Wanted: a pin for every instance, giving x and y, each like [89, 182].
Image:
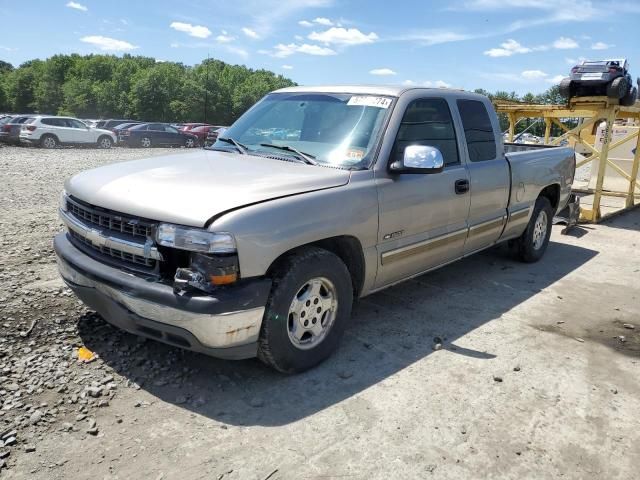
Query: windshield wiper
[240, 147]
[305, 157]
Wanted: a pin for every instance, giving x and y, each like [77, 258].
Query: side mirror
[419, 159]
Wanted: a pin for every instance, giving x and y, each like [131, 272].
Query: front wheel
[145, 142]
[105, 142]
[307, 312]
[534, 241]
[189, 143]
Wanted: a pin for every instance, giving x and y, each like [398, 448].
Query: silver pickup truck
[316, 196]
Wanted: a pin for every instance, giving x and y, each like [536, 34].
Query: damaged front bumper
[224, 324]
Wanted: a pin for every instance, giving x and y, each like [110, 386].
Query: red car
[201, 132]
[187, 127]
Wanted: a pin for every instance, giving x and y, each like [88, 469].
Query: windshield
[339, 130]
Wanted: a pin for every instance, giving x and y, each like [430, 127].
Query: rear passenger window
[428, 122]
[481, 141]
[54, 122]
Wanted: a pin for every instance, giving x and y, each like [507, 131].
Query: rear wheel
[189, 143]
[533, 242]
[48, 141]
[307, 312]
[105, 142]
[630, 98]
[145, 142]
[565, 88]
[618, 88]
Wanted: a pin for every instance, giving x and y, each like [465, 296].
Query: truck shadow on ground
[389, 331]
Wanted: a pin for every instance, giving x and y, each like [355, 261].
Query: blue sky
[521, 45]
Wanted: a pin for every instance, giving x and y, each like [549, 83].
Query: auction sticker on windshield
[369, 101]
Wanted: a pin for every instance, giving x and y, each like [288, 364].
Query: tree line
[106, 86]
[137, 87]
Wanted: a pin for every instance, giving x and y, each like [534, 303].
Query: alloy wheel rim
[312, 313]
[146, 142]
[49, 142]
[105, 143]
[540, 230]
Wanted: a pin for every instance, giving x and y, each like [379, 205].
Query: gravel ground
[536, 374]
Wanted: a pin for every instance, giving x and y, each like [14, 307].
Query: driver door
[423, 217]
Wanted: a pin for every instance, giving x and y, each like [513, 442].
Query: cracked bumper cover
[223, 325]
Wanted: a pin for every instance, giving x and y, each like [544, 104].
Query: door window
[478, 131]
[428, 122]
[73, 123]
[170, 129]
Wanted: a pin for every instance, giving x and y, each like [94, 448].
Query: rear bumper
[225, 325]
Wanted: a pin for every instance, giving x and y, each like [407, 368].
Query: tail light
[613, 70]
[574, 69]
[31, 128]
[6, 128]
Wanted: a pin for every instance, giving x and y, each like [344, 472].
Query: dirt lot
[538, 376]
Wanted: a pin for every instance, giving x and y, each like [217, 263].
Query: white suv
[50, 131]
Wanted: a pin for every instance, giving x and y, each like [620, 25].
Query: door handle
[462, 186]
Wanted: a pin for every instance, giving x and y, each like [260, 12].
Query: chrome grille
[110, 220]
[114, 253]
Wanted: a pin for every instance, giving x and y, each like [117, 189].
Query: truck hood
[189, 189]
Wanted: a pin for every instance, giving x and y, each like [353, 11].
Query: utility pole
[206, 90]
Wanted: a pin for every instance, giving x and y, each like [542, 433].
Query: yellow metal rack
[592, 110]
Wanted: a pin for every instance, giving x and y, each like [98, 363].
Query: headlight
[63, 200]
[195, 239]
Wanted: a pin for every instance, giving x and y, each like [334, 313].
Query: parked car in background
[157, 134]
[188, 126]
[110, 123]
[49, 132]
[10, 128]
[212, 135]
[123, 126]
[202, 131]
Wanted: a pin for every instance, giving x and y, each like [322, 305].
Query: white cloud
[508, 48]
[408, 83]
[250, 33]
[287, 67]
[434, 37]
[108, 44]
[382, 72]
[281, 50]
[198, 31]
[305, 23]
[343, 36]
[299, 38]
[564, 43]
[323, 21]
[533, 74]
[77, 6]
[601, 46]
[224, 37]
[241, 52]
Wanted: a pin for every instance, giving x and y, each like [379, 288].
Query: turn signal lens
[223, 279]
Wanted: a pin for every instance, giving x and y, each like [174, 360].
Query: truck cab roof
[387, 90]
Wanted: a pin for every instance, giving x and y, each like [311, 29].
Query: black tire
[104, 142]
[618, 88]
[528, 249]
[48, 141]
[630, 98]
[145, 142]
[275, 347]
[565, 88]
